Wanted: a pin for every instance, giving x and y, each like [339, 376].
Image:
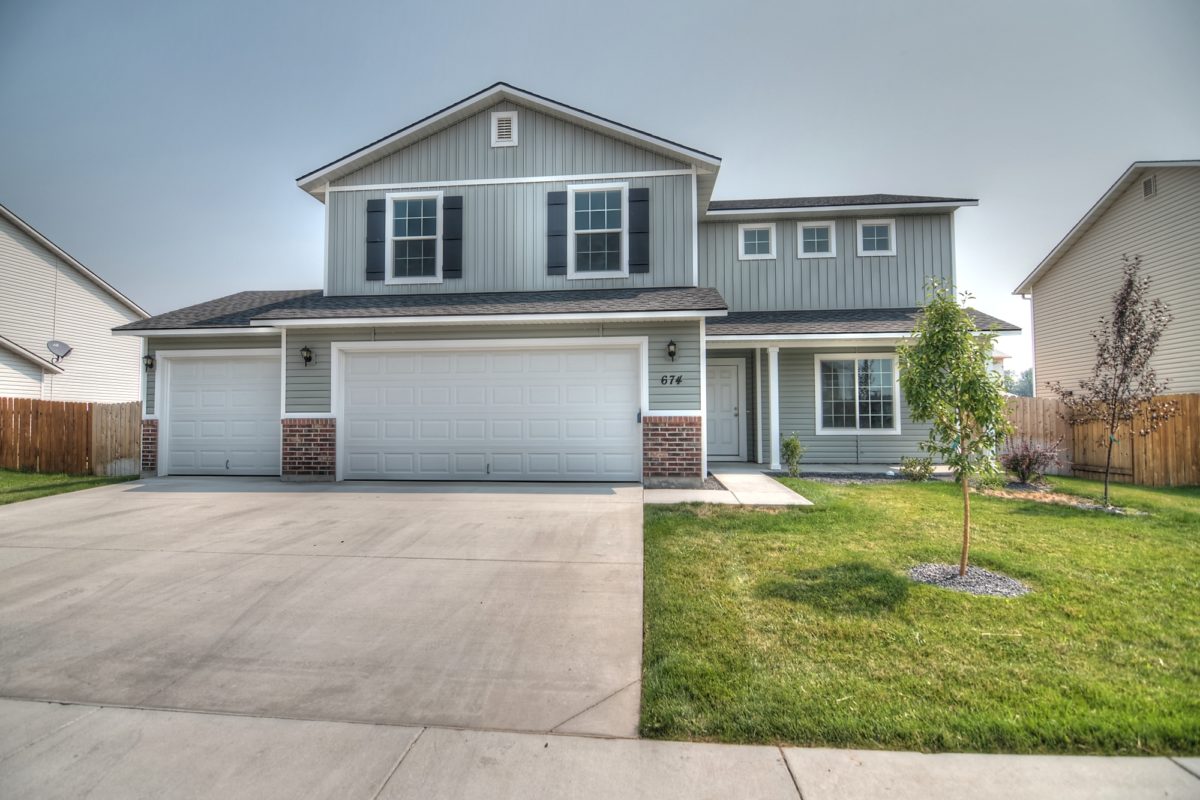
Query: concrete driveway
[509, 607]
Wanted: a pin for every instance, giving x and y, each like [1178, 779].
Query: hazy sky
[159, 142]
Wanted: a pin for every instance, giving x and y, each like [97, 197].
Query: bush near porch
[800, 627]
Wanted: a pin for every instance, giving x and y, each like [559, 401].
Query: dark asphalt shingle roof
[238, 310]
[831, 200]
[857, 320]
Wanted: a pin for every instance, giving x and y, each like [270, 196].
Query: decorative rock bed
[976, 581]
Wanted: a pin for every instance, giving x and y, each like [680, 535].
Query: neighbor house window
[599, 230]
[756, 242]
[414, 238]
[856, 395]
[817, 240]
[876, 237]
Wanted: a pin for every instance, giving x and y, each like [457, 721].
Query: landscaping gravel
[976, 581]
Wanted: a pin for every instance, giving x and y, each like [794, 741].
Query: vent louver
[504, 129]
[1150, 186]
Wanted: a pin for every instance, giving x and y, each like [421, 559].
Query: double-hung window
[816, 239]
[756, 241]
[857, 395]
[598, 242]
[414, 238]
[877, 237]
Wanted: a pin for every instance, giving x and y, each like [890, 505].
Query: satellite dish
[60, 349]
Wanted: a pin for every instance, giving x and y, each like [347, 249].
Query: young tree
[1122, 387]
[945, 378]
[1022, 385]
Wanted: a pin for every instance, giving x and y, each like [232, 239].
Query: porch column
[773, 378]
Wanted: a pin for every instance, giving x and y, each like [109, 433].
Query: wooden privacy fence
[1168, 457]
[76, 438]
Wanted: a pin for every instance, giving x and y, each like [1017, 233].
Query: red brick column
[672, 452]
[309, 450]
[150, 446]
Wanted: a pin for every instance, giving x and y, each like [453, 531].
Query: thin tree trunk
[1112, 433]
[966, 489]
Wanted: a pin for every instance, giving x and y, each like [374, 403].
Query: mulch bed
[977, 580]
[1042, 493]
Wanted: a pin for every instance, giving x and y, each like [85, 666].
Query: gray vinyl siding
[1070, 298]
[504, 241]
[308, 388]
[546, 146]
[924, 249]
[234, 342]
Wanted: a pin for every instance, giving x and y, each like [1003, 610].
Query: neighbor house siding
[504, 240]
[308, 388]
[1070, 298]
[18, 376]
[924, 250]
[154, 344]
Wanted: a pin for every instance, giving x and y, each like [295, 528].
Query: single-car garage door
[222, 416]
[539, 414]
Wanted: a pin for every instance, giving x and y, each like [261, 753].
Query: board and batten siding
[504, 241]
[231, 342]
[924, 250]
[1070, 298]
[308, 388]
[546, 145]
[43, 297]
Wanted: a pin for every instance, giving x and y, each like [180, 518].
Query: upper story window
[598, 241]
[817, 240]
[414, 238]
[504, 129]
[877, 237]
[856, 395]
[756, 241]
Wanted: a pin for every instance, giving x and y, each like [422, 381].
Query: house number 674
[671, 380]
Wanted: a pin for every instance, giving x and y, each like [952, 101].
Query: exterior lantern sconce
[306, 354]
[672, 349]
[148, 362]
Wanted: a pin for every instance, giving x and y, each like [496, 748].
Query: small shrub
[1029, 460]
[792, 451]
[916, 469]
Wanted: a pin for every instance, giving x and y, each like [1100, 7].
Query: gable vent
[504, 129]
[1150, 186]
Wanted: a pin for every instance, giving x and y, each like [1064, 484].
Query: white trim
[249, 352]
[827, 223]
[197, 331]
[695, 230]
[764, 212]
[282, 382]
[741, 242]
[338, 351]
[328, 279]
[891, 251]
[592, 176]
[740, 364]
[692, 413]
[389, 262]
[623, 272]
[490, 319]
[773, 372]
[703, 406]
[308, 415]
[511, 116]
[758, 415]
[732, 340]
[819, 428]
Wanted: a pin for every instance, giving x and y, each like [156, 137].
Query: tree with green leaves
[946, 380]
[1019, 383]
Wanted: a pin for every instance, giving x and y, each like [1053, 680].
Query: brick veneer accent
[150, 445]
[672, 452]
[309, 450]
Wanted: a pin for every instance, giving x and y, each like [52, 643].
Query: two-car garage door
[505, 414]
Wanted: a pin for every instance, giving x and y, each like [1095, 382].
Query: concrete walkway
[745, 484]
[52, 751]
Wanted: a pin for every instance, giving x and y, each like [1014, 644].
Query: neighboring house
[1153, 210]
[46, 295]
[516, 289]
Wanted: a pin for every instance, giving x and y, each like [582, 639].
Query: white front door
[726, 403]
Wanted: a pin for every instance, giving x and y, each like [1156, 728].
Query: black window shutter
[639, 230]
[452, 208]
[556, 233]
[376, 227]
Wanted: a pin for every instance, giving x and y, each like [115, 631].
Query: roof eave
[729, 213]
[30, 356]
[488, 319]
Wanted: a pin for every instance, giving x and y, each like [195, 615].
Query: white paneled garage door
[538, 414]
[222, 416]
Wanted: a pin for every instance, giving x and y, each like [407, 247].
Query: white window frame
[496, 117]
[755, 226]
[802, 224]
[389, 261]
[586, 275]
[891, 223]
[821, 430]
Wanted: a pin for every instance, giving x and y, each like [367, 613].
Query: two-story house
[516, 289]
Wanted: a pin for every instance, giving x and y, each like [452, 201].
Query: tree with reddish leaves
[1123, 389]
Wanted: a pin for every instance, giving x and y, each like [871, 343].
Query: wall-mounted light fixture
[306, 354]
[148, 362]
[672, 349]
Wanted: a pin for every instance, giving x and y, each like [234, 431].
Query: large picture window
[598, 237]
[857, 395]
[414, 238]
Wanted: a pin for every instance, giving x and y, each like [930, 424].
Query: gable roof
[29, 355]
[1127, 179]
[836, 203]
[313, 182]
[57, 251]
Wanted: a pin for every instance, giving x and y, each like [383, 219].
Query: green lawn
[799, 626]
[17, 486]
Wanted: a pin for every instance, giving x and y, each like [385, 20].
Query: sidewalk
[745, 484]
[48, 750]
